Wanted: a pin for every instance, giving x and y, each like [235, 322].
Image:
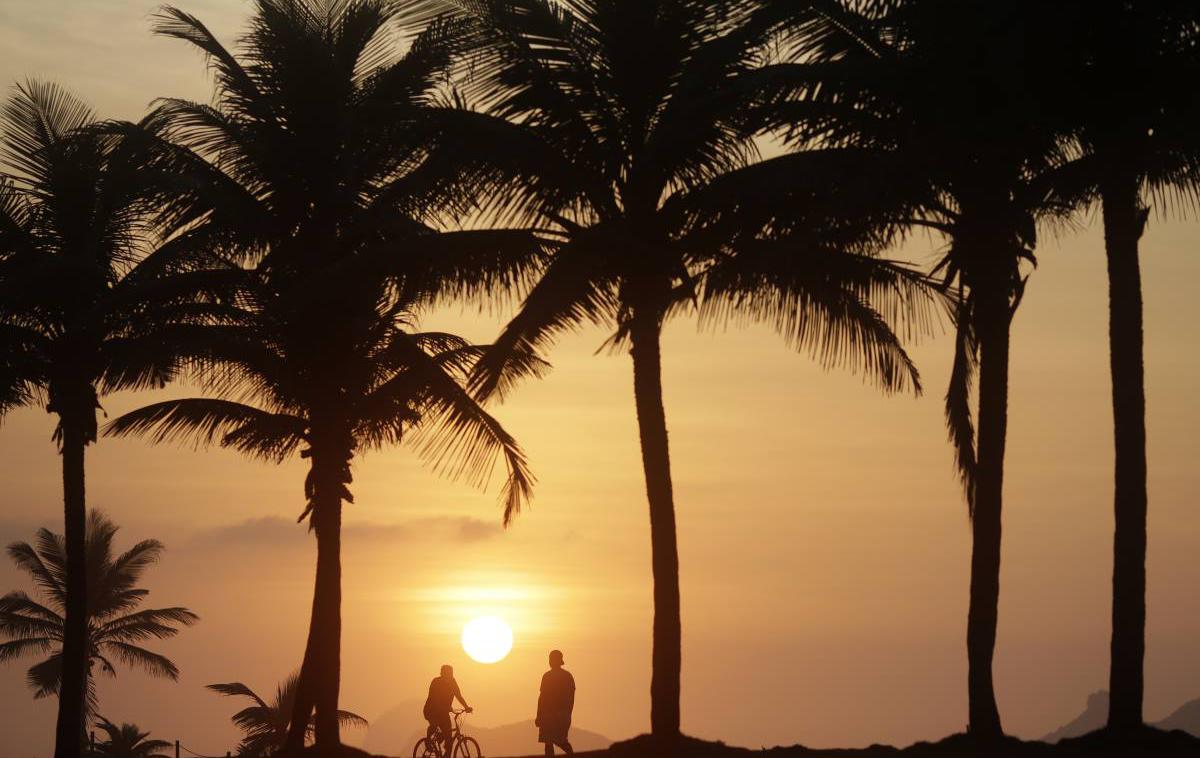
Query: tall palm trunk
[1124, 218]
[70, 727]
[320, 674]
[993, 321]
[645, 335]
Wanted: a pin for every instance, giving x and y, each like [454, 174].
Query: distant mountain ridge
[1186, 718]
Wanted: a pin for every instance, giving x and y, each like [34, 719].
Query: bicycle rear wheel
[467, 747]
[426, 748]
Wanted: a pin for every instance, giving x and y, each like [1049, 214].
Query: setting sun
[487, 639]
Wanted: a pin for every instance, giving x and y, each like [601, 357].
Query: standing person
[555, 703]
[442, 692]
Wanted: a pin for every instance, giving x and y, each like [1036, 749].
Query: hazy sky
[824, 542]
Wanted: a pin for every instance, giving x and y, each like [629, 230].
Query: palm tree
[114, 626]
[309, 185]
[71, 293]
[1136, 130]
[266, 725]
[128, 741]
[613, 124]
[937, 96]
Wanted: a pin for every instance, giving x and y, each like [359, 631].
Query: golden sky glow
[824, 542]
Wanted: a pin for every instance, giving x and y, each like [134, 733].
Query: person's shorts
[441, 721]
[554, 731]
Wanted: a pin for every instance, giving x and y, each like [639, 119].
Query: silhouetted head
[448, 672]
[556, 658]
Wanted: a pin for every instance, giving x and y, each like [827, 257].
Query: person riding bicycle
[442, 692]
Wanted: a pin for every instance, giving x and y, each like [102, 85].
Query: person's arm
[537, 720]
[458, 695]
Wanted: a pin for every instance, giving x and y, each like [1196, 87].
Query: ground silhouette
[1099, 744]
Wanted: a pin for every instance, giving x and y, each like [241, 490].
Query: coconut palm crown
[128, 741]
[265, 725]
[116, 627]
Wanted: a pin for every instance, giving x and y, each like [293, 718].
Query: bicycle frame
[437, 741]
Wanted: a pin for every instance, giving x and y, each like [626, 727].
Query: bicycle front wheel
[426, 748]
[467, 747]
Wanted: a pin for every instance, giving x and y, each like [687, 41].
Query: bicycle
[432, 745]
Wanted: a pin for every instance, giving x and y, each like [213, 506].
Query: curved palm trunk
[1123, 221]
[656, 462]
[320, 674]
[993, 332]
[70, 727]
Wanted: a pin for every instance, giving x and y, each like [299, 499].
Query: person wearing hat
[555, 703]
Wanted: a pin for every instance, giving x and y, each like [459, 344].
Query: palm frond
[45, 677]
[346, 718]
[234, 80]
[574, 289]
[160, 623]
[45, 565]
[837, 306]
[21, 616]
[959, 420]
[36, 123]
[250, 430]
[17, 648]
[457, 436]
[236, 689]
[152, 663]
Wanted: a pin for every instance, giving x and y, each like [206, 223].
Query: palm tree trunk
[993, 331]
[1123, 221]
[320, 673]
[652, 425]
[71, 697]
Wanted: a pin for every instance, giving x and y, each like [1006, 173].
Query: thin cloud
[275, 531]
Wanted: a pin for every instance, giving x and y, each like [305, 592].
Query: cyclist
[442, 692]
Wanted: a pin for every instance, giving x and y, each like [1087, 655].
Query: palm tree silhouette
[938, 94]
[128, 741]
[114, 626]
[1136, 130]
[265, 725]
[75, 304]
[617, 125]
[309, 185]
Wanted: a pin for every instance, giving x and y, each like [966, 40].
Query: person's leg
[549, 748]
[447, 735]
[566, 747]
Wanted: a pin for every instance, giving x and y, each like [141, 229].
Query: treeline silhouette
[602, 161]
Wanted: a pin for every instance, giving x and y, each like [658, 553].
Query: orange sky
[824, 543]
